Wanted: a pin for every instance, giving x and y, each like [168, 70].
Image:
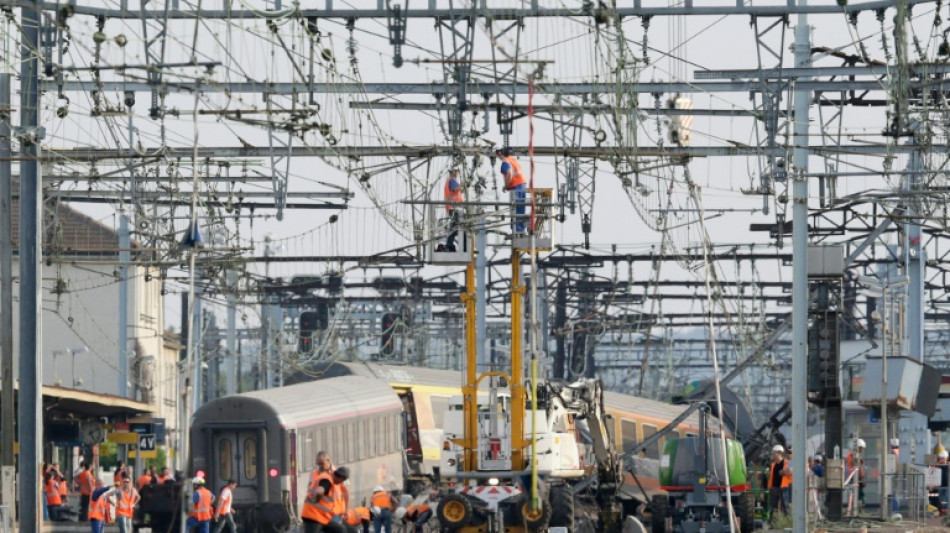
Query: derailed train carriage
[267, 441]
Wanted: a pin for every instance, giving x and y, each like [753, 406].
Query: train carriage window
[351, 442]
[674, 434]
[250, 458]
[394, 445]
[224, 459]
[653, 450]
[439, 404]
[628, 434]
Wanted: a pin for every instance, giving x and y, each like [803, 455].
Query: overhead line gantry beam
[634, 8]
[78, 155]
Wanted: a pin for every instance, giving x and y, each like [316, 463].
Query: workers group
[515, 183]
[327, 506]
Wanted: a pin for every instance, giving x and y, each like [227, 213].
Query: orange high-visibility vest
[125, 503]
[382, 500]
[202, 511]
[355, 517]
[224, 501]
[53, 494]
[453, 197]
[97, 509]
[339, 499]
[517, 177]
[143, 480]
[318, 508]
[86, 482]
[786, 480]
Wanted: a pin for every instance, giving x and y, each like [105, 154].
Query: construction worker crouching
[357, 518]
[382, 509]
[199, 519]
[779, 479]
[325, 505]
[514, 181]
[417, 514]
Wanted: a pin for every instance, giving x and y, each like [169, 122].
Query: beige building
[80, 322]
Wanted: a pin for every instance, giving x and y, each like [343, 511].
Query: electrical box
[911, 385]
[826, 261]
[834, 473]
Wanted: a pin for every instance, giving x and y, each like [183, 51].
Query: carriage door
[237, 457]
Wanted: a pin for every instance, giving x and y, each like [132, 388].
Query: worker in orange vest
[318, 506]
[98, 507]
[357, 518]
[453, 197]
[86, 483]
[202, 510]
[146, 478]
[126, 498]
[54, 495]
[382, 508]
[516, 182]
[418, 514]
[224, 514]
[164, 476]
[780, 477]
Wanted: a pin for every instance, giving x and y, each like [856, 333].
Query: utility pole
[7, 394]
[30, 413]
[230, 365]
[481, 295]
[125, 256]
[799, 405]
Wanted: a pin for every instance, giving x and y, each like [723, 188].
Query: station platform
[75, 527]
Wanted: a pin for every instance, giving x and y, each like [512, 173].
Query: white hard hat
[778, 448]
[895, 442]
[859, 443]
[943, 454]
[818, 458]
[198, 481]
[401, 512]
[378, 488]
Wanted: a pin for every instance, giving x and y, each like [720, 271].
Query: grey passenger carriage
[267, 441]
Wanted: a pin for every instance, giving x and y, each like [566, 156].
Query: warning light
[273, 472]
[200, 473]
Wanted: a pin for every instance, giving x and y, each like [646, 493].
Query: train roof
[300, 405]
[452, 378]
[654, 409]
[411, 375]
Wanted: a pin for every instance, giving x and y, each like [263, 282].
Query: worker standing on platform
[146, 478]
[98, 507]
[318, 506]
[54, 495]
[165, 476]
[224, 513]
[126, 498]
[854, 463]
[896, 453]
[514, 181]
[453, 196]
[86, 483]
[201, 507]
[779, 479]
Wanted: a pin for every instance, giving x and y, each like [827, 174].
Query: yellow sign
[123, 438]
[147, 454]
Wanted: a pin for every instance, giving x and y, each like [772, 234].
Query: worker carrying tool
[515, 182]
[453, 197]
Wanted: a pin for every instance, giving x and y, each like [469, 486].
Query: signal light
[273, 472]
